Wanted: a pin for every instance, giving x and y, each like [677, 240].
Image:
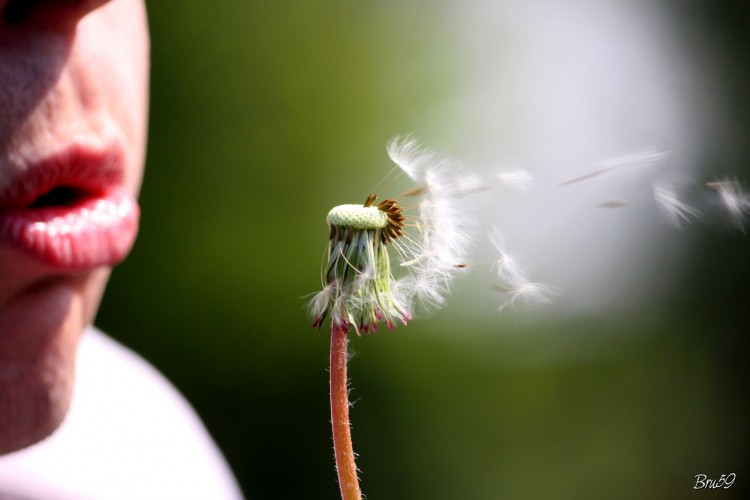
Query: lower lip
[94, 232]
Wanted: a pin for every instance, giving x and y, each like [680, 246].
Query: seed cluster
[387, 217]
[357, 217]
[394, 227]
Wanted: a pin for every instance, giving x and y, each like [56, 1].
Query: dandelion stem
[342, 437]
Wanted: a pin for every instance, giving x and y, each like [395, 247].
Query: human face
[73, 99]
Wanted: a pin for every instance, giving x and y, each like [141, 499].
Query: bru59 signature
[702, 482]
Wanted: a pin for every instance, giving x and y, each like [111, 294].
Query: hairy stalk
[342, 437]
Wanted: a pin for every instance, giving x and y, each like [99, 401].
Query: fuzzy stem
[342, 437]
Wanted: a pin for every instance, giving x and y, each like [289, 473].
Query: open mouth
[60, 196]
[71, 212]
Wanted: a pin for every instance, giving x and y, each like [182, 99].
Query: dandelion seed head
[357, 217]
[359, 288]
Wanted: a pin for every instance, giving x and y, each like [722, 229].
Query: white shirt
[128, 435]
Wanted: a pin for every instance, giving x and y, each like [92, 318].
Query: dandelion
[734, 199]
[360, 290]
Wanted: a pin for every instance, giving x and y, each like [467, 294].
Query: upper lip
[81, 170]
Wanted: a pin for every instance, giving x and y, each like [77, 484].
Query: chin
[41, 327]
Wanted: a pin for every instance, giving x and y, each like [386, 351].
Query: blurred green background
[266, 114]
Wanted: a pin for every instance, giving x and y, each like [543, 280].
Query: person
[80, 415]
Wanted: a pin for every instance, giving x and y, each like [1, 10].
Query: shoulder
[129, 434]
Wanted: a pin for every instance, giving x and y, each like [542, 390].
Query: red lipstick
[70, 210]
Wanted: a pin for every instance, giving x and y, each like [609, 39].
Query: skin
[68, 68]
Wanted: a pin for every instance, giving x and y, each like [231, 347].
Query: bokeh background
[266, 114]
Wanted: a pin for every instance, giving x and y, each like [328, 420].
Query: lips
[70, 210]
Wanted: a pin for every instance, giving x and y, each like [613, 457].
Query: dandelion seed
[584, 177]
[675, 210]
[641, 159]
[516, 179]
[512, 281]
[528, 292]
[412, 158]
[470, 183]
[734, 199]
[645, 159]
[613, 204]
[508, 271]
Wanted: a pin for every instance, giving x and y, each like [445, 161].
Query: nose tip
[47, 13]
